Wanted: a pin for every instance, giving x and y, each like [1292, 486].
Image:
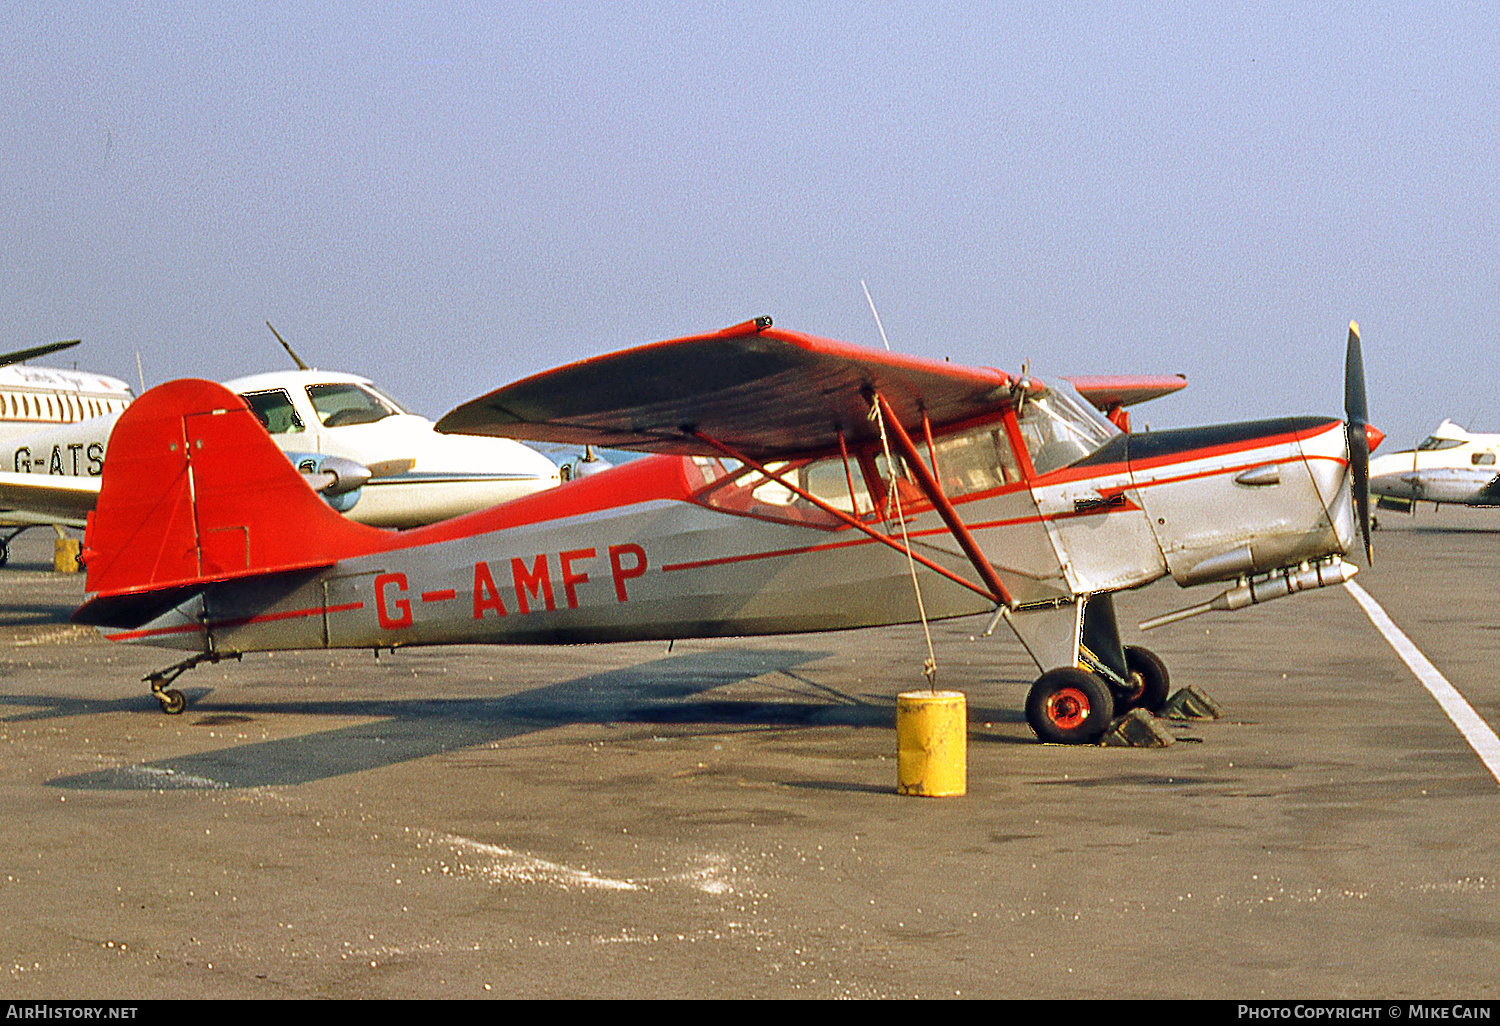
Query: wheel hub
[1068, 708]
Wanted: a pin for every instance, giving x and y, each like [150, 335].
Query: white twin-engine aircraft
[368, 457]
[1451, 465]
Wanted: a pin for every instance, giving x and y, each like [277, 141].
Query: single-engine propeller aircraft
[1451, 465]
[801, 484]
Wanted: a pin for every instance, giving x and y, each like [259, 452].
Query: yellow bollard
[65, 555]
[932, 738]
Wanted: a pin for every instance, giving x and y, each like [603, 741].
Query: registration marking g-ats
[1469, 723]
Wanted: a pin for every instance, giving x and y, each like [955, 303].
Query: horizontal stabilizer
[762, 390]
[1109, 391]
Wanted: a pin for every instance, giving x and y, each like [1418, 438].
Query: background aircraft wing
[46, 498]
[764, 391]
[1107, 392]
[21, 355]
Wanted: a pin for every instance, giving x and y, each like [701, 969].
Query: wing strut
[934, 492]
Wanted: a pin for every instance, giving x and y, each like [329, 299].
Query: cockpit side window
[976, 461]
[342, 404]
[275, 411]
[1483, 459]
[749, 492]
[1060, 429]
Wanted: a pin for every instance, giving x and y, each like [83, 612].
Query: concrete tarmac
[720, 820]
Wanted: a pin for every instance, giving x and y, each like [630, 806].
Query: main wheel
[1148, 674]
[1069, 706]
[172, 702]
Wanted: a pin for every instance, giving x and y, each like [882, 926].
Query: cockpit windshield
[1061, 427]
[1433, 443]
[343, 403]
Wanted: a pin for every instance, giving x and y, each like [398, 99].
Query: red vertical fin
[194, 490]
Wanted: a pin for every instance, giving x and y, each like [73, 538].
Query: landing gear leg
[1095, 677]
[1137, 679]
[1068, 705]
[173, 702]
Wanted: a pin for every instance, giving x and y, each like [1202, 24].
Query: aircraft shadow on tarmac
[35, 615]
[656, 692]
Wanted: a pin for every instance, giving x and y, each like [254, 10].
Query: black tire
[173, 702]
[1069, 706]
[1153, 683]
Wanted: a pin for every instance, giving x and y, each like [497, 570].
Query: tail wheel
[1152, 683]
[1069, 706]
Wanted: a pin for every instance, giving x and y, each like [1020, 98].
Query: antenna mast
[877, 316]
[295, 358]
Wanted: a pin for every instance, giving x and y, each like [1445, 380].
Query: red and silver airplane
[771, 506]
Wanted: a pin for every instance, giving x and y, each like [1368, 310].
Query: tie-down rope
[929, 668]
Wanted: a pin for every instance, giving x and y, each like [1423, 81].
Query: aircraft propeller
[1360, 435]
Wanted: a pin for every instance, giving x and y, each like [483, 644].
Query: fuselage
[1060, 503]
[55, 423]
[36, 399]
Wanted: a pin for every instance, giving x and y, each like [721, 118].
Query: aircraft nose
[1373, 436]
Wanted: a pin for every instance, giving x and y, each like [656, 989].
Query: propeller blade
[1356, 414]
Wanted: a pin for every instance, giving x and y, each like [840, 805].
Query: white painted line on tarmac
[1469, 723]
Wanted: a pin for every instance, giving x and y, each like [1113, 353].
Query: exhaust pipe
[1251, 591]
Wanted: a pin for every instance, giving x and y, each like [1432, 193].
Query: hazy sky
[446, 197]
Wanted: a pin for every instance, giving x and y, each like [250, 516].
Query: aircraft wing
[47, 498]
[1107, 392]
[764, 391]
